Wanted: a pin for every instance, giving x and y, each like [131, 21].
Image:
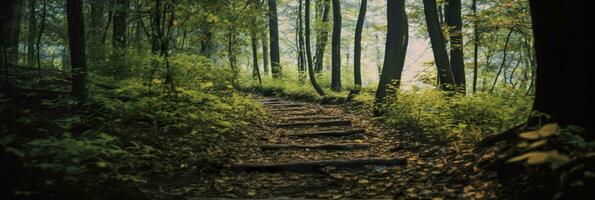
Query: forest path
[316, 151]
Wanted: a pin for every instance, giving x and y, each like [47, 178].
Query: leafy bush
[445, 115]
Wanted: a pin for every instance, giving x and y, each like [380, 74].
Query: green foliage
[446, 115]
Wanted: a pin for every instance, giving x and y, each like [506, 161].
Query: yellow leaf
[531, 135]
[538, 143]
[548, 130]
[363, 181]
[540, 157]
[359, 141]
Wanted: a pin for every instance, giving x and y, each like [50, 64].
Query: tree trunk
[39, 35]
[336, 47]
[119, 40]
[300, 40]
[322, 36]
[255, 70]
[445, 74]
[309, 53]
[7, 9]
[563, 44]
[475, 44]
[15, 32]
[265, 53]
[274, 39]
[457, 60]
[357, 49]
[32, 33]
[96, 45]
[503, 59]
[76, 37]
[397, 39]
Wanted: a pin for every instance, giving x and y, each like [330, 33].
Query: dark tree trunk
[336, 47]
[300, 40]
[120, 36]
[457, 60]
[475, 44]
[76, 37]
[255, 70]
[96, 47]
[564, 43]
[207, 47]
[397, 39]
[357, 49]
[322, 36]
[15, 32]
[445, 74]
[6, 15]
[40, 34]
[265, 53]
[32, 32]
[274, 38]
[503, 59]
[309, 53]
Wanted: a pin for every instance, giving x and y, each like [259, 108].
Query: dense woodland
[322, 99]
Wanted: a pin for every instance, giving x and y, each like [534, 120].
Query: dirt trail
[311, 151]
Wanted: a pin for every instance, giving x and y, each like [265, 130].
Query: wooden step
[288, 109]
[309, 113]
[333, 133]
[286, 105]
[318, 123]
[311, 166]
[336, 147]
[311, 118]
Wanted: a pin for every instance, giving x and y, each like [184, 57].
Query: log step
[288, 109]
[286, 105]
[311, 118]
[344, 146]
[319, 123]
[310, 166]
[303, 113]
[334, 133]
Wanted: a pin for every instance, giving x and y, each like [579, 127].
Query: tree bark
[357, 49]
[14, 32]
[336, 47]
[309, 53]
[300, 40]
[120, 36]
[274, 39]
[7, 9]
[503, 59]
[397, 39]
[322, 36]
[563, 44]
[76, 37]
[475, 44]
[96, 45]
[445, 75]
[457, 60]
[32, 32]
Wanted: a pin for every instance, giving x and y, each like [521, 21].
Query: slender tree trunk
[120, 36]
[265, 52]
[32, 32]
[457, 61]
[255, 70]
[96, 46]
[309, 53]
[274, 39]
[336, 47]
[322, 36]
[445, 74]
[15, 32]
[357, 48]
[397, 39]
[76, 37]
[503, 59]
[475, 44]
[300, 40]
[40, 34]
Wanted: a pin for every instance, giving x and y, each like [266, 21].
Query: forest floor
[417, 166]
